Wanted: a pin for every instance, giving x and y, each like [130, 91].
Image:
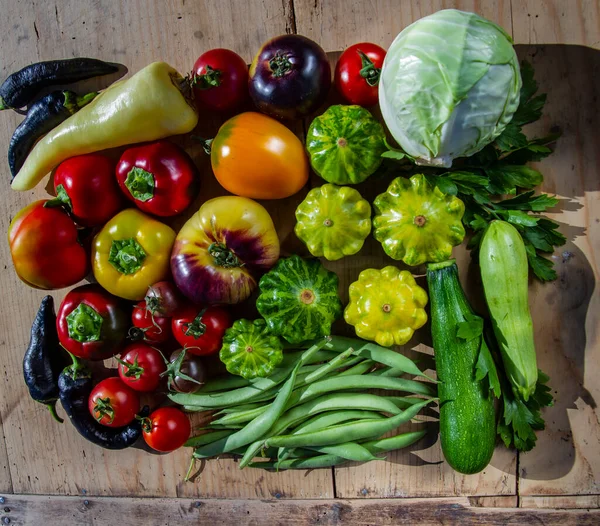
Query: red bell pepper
[86, 187]
[159, 177]
[44, 247]
[91, 323]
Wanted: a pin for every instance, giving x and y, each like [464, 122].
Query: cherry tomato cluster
[93, 324]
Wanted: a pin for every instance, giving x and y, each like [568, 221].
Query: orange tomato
[258, 157]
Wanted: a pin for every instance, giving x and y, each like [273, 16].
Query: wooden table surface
[50, 475]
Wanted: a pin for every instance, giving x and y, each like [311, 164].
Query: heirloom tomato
[357, 73]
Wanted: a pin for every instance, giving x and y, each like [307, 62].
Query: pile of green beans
[315, 410]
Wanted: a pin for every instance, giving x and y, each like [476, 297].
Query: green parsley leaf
[485, 367]
[518, 217]
[478, 222]
[396, 155]
[512, 138]
[529, 87]
[541, 267]
[529, 111]
[506, 178]
[529, 201]
[470, 329]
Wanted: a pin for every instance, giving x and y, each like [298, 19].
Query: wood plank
[337, 24]
[23, 510]
[556, 22]
[561, 501]
[52, 459]
[566, 312]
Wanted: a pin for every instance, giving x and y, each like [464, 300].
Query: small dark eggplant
[22, 87]
[43, 115]
[44, 358]
[75, 385]
[290, 77]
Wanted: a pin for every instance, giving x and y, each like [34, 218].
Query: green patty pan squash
[345, 144]
[333, 221]
[250, 349]
[299, 299]
[417, 223]
[386, 306]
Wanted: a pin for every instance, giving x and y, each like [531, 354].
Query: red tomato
[357, 73]
[159, 177]
[220, 80]
[156, 329]
[78, 183]
[141, 366]
[113, 404]
[166, 429]
[200, 331]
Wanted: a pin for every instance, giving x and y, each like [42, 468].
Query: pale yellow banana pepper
[146, 107]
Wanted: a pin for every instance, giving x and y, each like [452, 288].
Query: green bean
[346, 432]
[359, 368]
[242, 416]
[206, 438]
[262, 423]
[347, 450]
[332, 418]
[330, 366]
[237, 409]
[326, 403]
[403, 402]
[389, 371]
[383, 445]
[319, 461]
[366, 381]
[213, 425]
[375, 352]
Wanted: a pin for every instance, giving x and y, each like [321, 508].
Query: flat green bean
[325, 403]
[242, 416]
[360, 368]
[377, 353]
[402, 402]
[206, 438]
[346, 432]
[347, 450]
[331, 418]
[319, 461]
[333, 364]
[262, 423]
[383, 445]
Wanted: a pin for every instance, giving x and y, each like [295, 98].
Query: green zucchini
[504, 273]
[467, 414]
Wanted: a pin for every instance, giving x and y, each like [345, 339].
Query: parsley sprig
[483, 180]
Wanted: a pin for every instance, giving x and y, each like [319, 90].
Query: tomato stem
[280, 64]
[132, 369]
[145, 422]
[196, 328]
[369, 72]
[223, 256]
[211, 78]
[102, 408]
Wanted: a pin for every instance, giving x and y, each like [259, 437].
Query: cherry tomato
[163, 299]
[166, 429]
[113, 404]
[156, 329]
[220, 80]
[357, 73]
[186, 373]
[199, 330]
[141, 366]
[79, 181]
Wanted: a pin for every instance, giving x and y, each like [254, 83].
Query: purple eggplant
[290, 77]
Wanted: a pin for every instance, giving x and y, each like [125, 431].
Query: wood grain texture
[50, 459]
[336, 24]
[557, 22]
[23, 510]
[561, 502]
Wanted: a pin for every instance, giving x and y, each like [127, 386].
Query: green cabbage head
[449, 85]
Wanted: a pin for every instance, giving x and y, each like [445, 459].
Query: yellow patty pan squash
[333, 221]
[417, 223]
[386, 306]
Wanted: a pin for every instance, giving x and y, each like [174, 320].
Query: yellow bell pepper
[145, 107]
[386, 306]
[131, 253]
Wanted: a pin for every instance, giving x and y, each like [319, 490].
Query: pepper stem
[126, 255]
[77, 368]
[206, 143]
[280, 64]
[369, 72]
[61, 199]
[52, 408]
[223, 256]
[140, 184]
[73, 103]
[84, 324]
